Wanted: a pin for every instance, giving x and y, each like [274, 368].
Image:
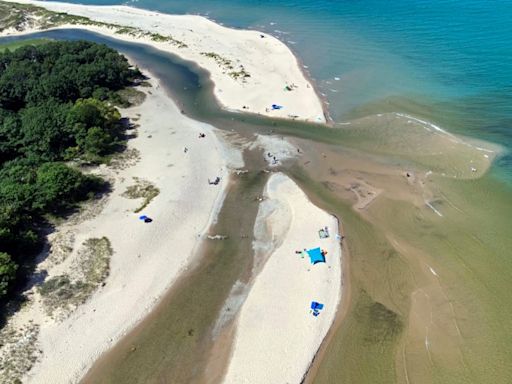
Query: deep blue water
[449, 61]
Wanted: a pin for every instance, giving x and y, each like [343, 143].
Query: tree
[57, 185]
[97, 142]
[64, 71]
[95, 125]
[7, 272]
[44, 132]
[17, 189]
[10, 132]
[52, 109]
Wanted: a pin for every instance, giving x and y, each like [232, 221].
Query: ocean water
[448, 61]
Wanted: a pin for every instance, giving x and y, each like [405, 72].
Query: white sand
[277, 336]
[147, 257]
[270, 63]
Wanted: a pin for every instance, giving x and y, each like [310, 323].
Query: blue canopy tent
[316, 256]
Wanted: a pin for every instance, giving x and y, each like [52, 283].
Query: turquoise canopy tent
[316, 256]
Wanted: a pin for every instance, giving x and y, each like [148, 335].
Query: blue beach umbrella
[316, 256]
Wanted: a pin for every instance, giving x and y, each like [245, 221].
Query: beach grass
[125, 159]
[63, 293]
[21, 351]
[142, 189]
[19, 16]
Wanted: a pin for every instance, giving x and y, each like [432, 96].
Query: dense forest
[55, 109]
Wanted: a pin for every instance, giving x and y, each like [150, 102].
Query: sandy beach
[147, 257]
[273, 73]
[419, 292]
[277, 335]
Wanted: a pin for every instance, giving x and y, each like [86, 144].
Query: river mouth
[427, 241]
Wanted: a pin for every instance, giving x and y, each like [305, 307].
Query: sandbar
[277, 334]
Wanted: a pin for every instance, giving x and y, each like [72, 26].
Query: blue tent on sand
[316, 307]
[315, 256]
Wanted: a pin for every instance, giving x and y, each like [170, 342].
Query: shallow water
[172, 344]
[382, 338]
[448, 61]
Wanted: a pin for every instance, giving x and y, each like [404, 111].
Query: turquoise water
[449, 61]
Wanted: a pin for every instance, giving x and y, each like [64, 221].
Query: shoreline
[402, 188]
[276, 335]
[129, 293]
[249, 68]
[343, 308]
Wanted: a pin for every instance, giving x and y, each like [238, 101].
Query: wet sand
[413, 314]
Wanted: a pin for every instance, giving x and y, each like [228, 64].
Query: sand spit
[147, 257]
[277, 335]
[251, 70]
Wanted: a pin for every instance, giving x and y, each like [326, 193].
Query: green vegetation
[141, 190]
[140, 33]
[21, 351]
[13, 15]
[222, 61]
[7, 271]
[126, 159]
[64, 292]
[128, 97]
[227, 65]
[240, 74]
[54, 108]
[20, 16]
[17, 44]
